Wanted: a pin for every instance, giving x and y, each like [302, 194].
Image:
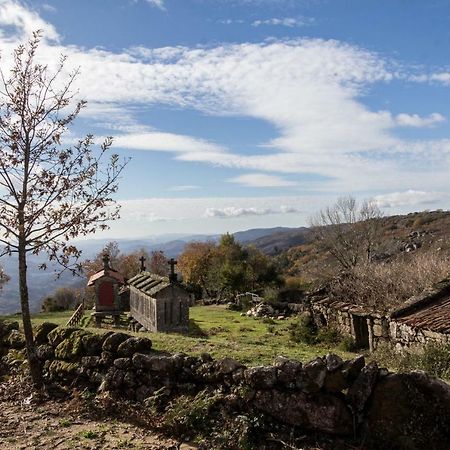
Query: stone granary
[159, 303]
[108, 284]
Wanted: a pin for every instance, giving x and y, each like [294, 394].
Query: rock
[63, 370]
[71, 348]
[164, 365]
[92, 344]
[134, 345]
[15, 339]
[288, 372]
[142, 392]
[261, 377]
[227, 365]
[361, 389]
[91, 361]
[45, 352]
[353, 367]
[335, 382]
[281, 318]
[319, 413]
[112, 342]
[107, 358]
[408, 411]
[261, 310]
[129, 379]
[316, 371]
[57, 335]
[122, 363]
[206, 357]
[6, 327]
[42, 331]
[333, 362]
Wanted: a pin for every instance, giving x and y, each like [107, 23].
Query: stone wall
[327, 395]
[404, 336]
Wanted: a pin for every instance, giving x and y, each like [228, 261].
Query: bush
[348, 344]
[328, 335]
[303, 330]
[434, 359]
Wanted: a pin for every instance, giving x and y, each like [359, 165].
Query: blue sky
[255, 113]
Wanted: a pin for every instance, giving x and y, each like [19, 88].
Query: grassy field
[222, 333]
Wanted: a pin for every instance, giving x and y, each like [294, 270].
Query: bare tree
[49, 193]
[348, 231]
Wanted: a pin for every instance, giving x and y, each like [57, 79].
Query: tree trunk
[33, 361]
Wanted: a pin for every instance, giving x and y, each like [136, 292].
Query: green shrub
[328, 335]
[434, 359]
[268, 321]
[303, 330]
[186, 414]
[348, 344]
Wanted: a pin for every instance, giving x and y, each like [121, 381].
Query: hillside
[401, 236]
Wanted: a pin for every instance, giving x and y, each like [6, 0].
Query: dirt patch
[33, 421]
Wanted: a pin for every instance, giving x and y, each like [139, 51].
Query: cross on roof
[142, 260]
[172, 263]
[106, 261]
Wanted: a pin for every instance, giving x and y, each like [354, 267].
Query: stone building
[367, 327]
[108, 284]
[424, 318]
[159, 303]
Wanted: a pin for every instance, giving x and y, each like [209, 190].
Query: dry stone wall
[346, 399]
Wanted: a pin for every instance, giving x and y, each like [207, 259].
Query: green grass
[223, 333]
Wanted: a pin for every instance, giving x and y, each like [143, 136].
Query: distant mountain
[43, 283]
[280, 241]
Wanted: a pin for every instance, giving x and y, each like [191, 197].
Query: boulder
[91, 362]
[320, 413]
[15, 339]
[45, 352]
[261, 377]
[163, 365]
[353, 367]
[63, 370]
[92, 344]
[408, 411]
[288, 372]
[71, 348]
[362, 388]
[227, 365]
[333, 362]
[57, 335]
[134, 345]
[316, 371]
[6, 327]
[113, 341]
[122, 363]
[42, 331]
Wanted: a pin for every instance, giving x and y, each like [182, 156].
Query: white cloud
[310, 90]
[408, 198]
[261, 180]
[414, 120]
[49, 8]
[231, 212]
[285, 22]
[183, 188]
[158, 3]
[25, 21]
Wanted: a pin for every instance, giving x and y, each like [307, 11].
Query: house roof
[346, 307]
[149, 283]
[430, 310]
[106, 273]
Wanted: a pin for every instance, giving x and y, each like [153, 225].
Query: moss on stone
[71, 348]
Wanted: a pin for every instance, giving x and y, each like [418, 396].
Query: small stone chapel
[159, 303]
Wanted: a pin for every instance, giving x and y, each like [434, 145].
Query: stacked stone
[326, 395]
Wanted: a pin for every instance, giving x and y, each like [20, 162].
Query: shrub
[328, 335]
[348, 344]
[186, 414]
[434, 359]
[303, 330]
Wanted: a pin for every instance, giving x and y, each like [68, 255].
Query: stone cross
[142, 260]
[173, 275]
[106, 261]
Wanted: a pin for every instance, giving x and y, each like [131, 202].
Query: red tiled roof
[106, 273]
[433, 317]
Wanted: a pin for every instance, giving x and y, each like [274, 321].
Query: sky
[243, 114]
